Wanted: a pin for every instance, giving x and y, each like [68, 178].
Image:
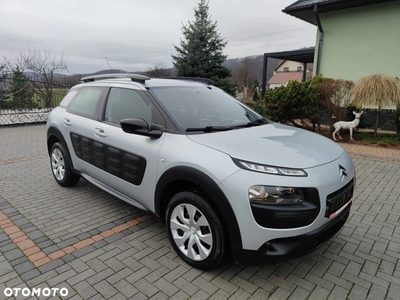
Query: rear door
[79, 122]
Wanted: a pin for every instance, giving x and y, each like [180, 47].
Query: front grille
[339, 198]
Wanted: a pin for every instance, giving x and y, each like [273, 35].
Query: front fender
[209, 186]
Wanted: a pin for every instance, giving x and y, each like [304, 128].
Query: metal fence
[25, 102]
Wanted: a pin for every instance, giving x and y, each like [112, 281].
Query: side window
[68, 97]
[124, 104]
[86, 101]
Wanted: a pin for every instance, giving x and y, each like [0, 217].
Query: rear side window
[67, 99]
[86, 102]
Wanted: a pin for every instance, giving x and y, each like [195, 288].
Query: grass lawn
[365, 137]
[382, 139]
[57, 96]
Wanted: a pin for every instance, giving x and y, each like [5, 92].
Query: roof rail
[133, 77]
[199, 79]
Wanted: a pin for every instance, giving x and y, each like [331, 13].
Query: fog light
[275, 195]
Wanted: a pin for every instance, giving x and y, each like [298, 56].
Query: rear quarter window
[86, 102]
[68, 97]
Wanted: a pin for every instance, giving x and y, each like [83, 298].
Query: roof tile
[285, 77]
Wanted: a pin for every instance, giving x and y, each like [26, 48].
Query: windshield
[194, 108]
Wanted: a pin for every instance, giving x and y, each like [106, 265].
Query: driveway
[82, 243]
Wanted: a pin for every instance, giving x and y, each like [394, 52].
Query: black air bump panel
[127, 166]
[76, 144]
[114, 161]
[99, 157]
[133, 166]
[87, 152]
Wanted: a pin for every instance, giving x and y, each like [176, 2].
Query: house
[355, 38]
[287, 71]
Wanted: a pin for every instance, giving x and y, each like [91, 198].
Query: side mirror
[141, 127]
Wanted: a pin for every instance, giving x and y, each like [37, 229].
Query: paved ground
[97, 247]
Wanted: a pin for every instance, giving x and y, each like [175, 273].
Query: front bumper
[289, 247]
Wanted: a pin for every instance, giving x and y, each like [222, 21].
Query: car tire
[195, 230]
[60, 167]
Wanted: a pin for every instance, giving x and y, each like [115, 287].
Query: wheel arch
[55, 136]
[183, 178]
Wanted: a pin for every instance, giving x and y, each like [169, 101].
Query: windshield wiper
[249, 124]
[209, 128]
[226, 128]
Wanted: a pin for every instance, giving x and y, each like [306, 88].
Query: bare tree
[44, 66]
[3, 85]
[244, 75]
[73, 79]
[158, 70]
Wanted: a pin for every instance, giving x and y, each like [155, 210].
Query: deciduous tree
[158, 70]
[377, 90]
[244, 75]
[336, 97]
[44, 67]
[3, 86]
[256, 90]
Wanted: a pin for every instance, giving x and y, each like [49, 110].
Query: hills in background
[253, 67]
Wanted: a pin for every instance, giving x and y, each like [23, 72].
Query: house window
[286, 69]
[299, 69]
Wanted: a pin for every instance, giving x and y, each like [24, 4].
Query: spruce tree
[201, 51]
[21, 91]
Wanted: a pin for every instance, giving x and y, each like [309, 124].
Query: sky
[136, 35]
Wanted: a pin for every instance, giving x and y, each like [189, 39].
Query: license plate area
[339, 198]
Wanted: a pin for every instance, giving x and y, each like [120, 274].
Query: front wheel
[60, 167]
[195, 230]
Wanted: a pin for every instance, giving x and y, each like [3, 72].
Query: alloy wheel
[58, 164]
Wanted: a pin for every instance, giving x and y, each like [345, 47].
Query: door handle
[67, 122]
[99, 132]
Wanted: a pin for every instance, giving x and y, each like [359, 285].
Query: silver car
[224, 179]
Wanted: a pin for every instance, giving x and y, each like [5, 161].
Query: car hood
[273, 144]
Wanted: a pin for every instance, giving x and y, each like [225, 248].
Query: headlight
[269, 169]
[275, 195]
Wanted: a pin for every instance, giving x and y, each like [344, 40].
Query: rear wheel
[195, 230]
[60, 167]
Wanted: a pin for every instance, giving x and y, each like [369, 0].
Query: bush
[398, 121]
[297, 101]
[259, 107]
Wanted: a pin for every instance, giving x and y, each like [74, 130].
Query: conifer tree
[201, 50]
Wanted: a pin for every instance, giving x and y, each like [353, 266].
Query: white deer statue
[347, 125]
